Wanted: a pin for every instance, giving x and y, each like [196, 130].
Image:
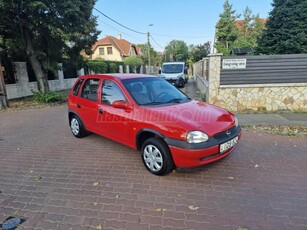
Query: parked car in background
[152, 116]
[175, 73]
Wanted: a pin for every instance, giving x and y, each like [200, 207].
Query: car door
[113, 122]
[87, 103]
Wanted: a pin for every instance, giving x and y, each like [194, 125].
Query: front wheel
[157, 157]
[76, 127]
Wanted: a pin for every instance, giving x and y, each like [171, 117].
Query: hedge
[103, 66]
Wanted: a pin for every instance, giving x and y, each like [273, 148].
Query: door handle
[78, 105]
[100, 111]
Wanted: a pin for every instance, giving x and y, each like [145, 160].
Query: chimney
[119, 37]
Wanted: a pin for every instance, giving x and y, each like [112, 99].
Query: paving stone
[261, 185]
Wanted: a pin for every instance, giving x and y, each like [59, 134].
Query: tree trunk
[41, 76]
[3, 98]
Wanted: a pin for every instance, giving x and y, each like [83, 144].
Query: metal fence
[290, 68]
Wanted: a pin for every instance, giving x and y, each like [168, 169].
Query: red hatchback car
[152, 116]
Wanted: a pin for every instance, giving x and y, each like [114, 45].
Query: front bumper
[196, 155]
[179, 82]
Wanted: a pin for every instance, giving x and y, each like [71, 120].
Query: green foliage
[113, 68]
[48, 97]
[250, 30]
[47, 31]
[154, 58]
[200, 51]
[286, 29]
[134, 62]
[103, 66]
[237, 34]
[226, 31]
[176, 50]
[98, 66]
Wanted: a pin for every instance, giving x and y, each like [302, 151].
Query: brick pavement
[49, 178]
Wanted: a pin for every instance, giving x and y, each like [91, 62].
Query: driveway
[55, 181]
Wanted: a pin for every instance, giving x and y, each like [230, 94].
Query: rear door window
[77, 87]
[90, 89]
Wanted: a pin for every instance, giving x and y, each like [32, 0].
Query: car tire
[157, 157]
[77, 127]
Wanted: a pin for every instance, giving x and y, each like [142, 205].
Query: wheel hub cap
[153, 158]
[74, 124]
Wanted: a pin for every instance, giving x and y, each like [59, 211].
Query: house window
[101, 51]
[110, 51]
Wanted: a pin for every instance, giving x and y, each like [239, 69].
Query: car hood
[193, 115]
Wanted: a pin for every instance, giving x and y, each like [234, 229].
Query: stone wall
[263, 97]
[25, 88]
[255, 97]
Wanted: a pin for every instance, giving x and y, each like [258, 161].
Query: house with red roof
[114, 49]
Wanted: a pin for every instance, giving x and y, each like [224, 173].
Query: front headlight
[196, 137]
[236, 122]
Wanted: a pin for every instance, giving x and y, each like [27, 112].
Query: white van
[175, 73]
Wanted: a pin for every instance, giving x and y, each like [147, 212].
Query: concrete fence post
[61, 75]
[127, 69]
[214, 76]
[121, 69]
[21, 72]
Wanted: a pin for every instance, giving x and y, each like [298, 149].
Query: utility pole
[148, 44]
[3, 99]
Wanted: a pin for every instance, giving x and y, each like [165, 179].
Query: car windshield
[149, 91]
[172, 68]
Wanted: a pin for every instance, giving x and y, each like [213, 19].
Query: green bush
[113, 68]
[103, 66]
[98, 66]
[48, 97]
[133, 62]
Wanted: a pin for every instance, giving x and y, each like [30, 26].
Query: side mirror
[159, 71]
[120, 104]
[185, 71]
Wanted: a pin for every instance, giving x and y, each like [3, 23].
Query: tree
[48, 31]
[153, 54]
[226, 31]
[249, 30]
[176, 50]
[286, 28]
[200, 51]
[134, 62]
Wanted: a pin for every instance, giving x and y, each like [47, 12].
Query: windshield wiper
[153, 103]
[175, 100]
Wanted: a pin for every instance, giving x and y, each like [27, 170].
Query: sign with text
[234, 64]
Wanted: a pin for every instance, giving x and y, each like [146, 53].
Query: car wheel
[156, 157]
[76, 127]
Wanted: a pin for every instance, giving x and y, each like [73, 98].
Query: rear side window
[90, 88]
[77, 87]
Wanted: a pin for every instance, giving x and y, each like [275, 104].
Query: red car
[152, 116]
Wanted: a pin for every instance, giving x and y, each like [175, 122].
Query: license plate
[229, 144]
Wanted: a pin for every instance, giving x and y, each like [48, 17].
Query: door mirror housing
[120, 104]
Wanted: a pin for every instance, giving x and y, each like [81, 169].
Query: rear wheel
[157, 157]
[77, 127]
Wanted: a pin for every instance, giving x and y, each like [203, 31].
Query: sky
[191, 21]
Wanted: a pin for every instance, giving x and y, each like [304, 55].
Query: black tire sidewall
[168, 163]
[81, 127]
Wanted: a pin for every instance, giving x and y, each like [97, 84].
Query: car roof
[120, 76]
